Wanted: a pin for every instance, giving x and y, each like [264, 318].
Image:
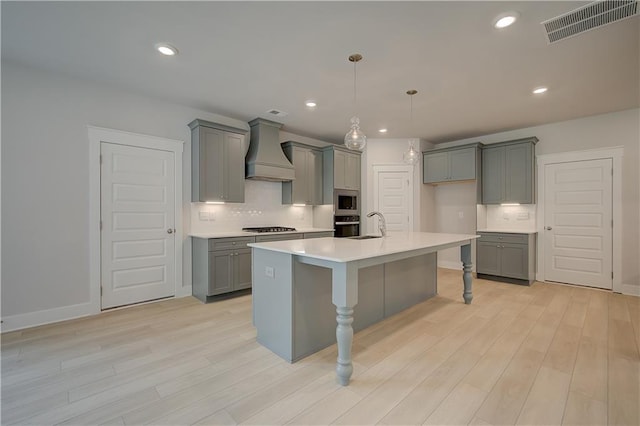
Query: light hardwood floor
[547, 354]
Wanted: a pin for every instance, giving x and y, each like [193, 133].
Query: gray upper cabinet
[307, 186]
[217, 162]
[341, 170]
[508, 172]
[451, 164]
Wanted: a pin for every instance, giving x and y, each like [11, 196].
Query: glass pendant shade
[412, 155]
[355, 139]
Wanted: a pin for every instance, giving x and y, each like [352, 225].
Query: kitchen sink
[365, 237]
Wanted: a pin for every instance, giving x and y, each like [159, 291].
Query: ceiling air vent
[277, 113]
[588, 17]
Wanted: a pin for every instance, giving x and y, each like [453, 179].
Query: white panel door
[137, 213]
[578, 223]
[393, 197]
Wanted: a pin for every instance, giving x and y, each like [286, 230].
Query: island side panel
[408, 282]
[200, 268]
[273, 301]
[314, 315]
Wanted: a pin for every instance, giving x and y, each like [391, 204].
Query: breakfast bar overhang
[278, 268]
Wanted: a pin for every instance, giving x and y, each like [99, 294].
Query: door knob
[548, 228]
[169, 231]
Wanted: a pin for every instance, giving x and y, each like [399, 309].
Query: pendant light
[355, 139]
[412, 155]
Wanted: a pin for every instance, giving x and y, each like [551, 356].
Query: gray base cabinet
[217, 162]
[506, 255]
[223, 265]
[508, 172]
[451, 164]
[220, 265]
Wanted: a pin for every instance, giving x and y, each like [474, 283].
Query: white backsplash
[512, 218]
[262, 207]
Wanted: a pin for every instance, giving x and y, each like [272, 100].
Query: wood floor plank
[581, 410]
[546, 401]
[507, 397]
[539, 354]
[451, 412]
[418, 405]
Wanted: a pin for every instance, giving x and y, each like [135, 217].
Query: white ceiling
[241, 59]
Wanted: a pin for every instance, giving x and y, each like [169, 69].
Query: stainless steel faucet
[382, 223]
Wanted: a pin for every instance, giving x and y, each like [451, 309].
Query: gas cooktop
[269, 229]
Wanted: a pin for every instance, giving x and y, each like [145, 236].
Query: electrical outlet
[523, 216]
[269, 271]
[204, 216]
[460, 215]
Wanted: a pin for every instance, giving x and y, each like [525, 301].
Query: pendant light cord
[355, 102]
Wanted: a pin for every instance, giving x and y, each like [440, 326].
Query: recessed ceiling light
[539, 90]
[311, 104]
[383, 130]
[505, 19]
[166, 49]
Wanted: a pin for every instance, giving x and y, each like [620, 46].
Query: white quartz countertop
[346, 250]
[240, 233]
[509, 231]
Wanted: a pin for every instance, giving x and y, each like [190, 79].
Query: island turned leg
[465, 256]
[345, 297]
[344, 337]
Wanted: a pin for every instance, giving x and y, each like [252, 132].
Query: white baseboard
[48, 316]
[630, 289]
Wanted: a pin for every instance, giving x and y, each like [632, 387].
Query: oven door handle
[347, 223]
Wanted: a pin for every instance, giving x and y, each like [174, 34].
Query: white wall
[455, 212]
[386, 152]
[607, 130]
[45, 184]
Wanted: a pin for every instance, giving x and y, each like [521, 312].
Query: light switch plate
[204, 216]
[269, 271]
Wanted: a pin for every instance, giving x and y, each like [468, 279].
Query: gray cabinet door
[300, 186]
[488, 258]
[339, 167]
[314, 166]
[435, 167]
[352, 172]
[242, 269]
[212, 167]
[233, 160]
[514, 260]
[462, 164]
[220, 272]
[518, 167]
[492, 175]
[217, 163]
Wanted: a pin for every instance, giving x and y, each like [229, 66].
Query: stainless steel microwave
[346, 202]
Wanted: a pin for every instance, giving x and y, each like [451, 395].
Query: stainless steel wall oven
[346, 226]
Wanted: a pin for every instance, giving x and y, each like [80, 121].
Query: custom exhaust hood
[265, 159]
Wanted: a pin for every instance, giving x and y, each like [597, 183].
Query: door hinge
[101, 225]
[611, 274]
[101, 291]
[100, 158]
[612, 223]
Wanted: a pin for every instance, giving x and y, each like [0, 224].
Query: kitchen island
[292, 278]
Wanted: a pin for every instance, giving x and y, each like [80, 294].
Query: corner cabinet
[451, 164]
[307, 186]
[508, 172]
[506, 257]
[341, 170]
[217, 162]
